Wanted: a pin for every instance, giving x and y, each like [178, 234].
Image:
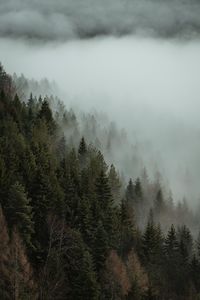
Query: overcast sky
[66, 19]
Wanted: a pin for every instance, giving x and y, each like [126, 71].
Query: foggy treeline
[72, 225]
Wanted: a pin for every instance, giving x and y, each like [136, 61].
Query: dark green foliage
[115, 183]
[105, 205]
[195, 273]
[127, 228]
[151, 241]
[45, 113]
[103, 191]
[82, 147]
[100, 246]
[130, 192]
[138, 189]
[19, 212]
[159, 202]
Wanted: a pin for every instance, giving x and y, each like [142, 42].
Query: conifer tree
[185, 242]
[61, 148]
[130, 192]
[115, 183]
[19, 212]
[5, 267]
[171, 243]
[82, 152]
[103, 190]
[88, 288]
[195, 272]
[171, 249]
[85, 220]
[150, 241]
[82, 147]
[127, 228]
[100, 247]
[159, 202]
[45, 113]
[105, 203]
[138, 189]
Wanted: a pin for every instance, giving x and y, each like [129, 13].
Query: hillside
[71, 226]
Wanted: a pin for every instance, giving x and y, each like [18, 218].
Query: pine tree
[159, 202]
[85, 220]
[19, 212]
[100, 246]
[88, 288]
[72, 202]
[115, 183]
[82, 150]
[127, 229]
[185, 242]
[4, 182]
[138, 189]
[185, 245]
[5, 268]
[152, 246]
[46, 114]
[105, 203]
[171, 244]
[130, 192]
[61, 148]
[150, 241]
[103, 191]
[171, 263]
[197, 244]
[41, 202]
[195, 272]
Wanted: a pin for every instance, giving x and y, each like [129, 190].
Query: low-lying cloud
[71, 19]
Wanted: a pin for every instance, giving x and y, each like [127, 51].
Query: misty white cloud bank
[67, 19]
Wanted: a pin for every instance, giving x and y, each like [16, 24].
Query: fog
[147, 83]
[66, 19]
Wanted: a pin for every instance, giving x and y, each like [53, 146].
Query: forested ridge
[71, 227]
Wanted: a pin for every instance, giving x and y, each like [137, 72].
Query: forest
[71, 225]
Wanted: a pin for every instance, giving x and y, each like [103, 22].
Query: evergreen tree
[100, 246]
[127, 229]
[185, 242]
[103, 191]
[45, 113]
[19, 212]
[88, 288]
[82, 152]
[61, 148]
[5, 267]
[85, 220]
[171, 249]
[105, 204]
[195, 272]
[115, 183]
[82, 147]
[171, 244]
[138, 189]
[130, 192]
[159, 202]
[150, 241]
